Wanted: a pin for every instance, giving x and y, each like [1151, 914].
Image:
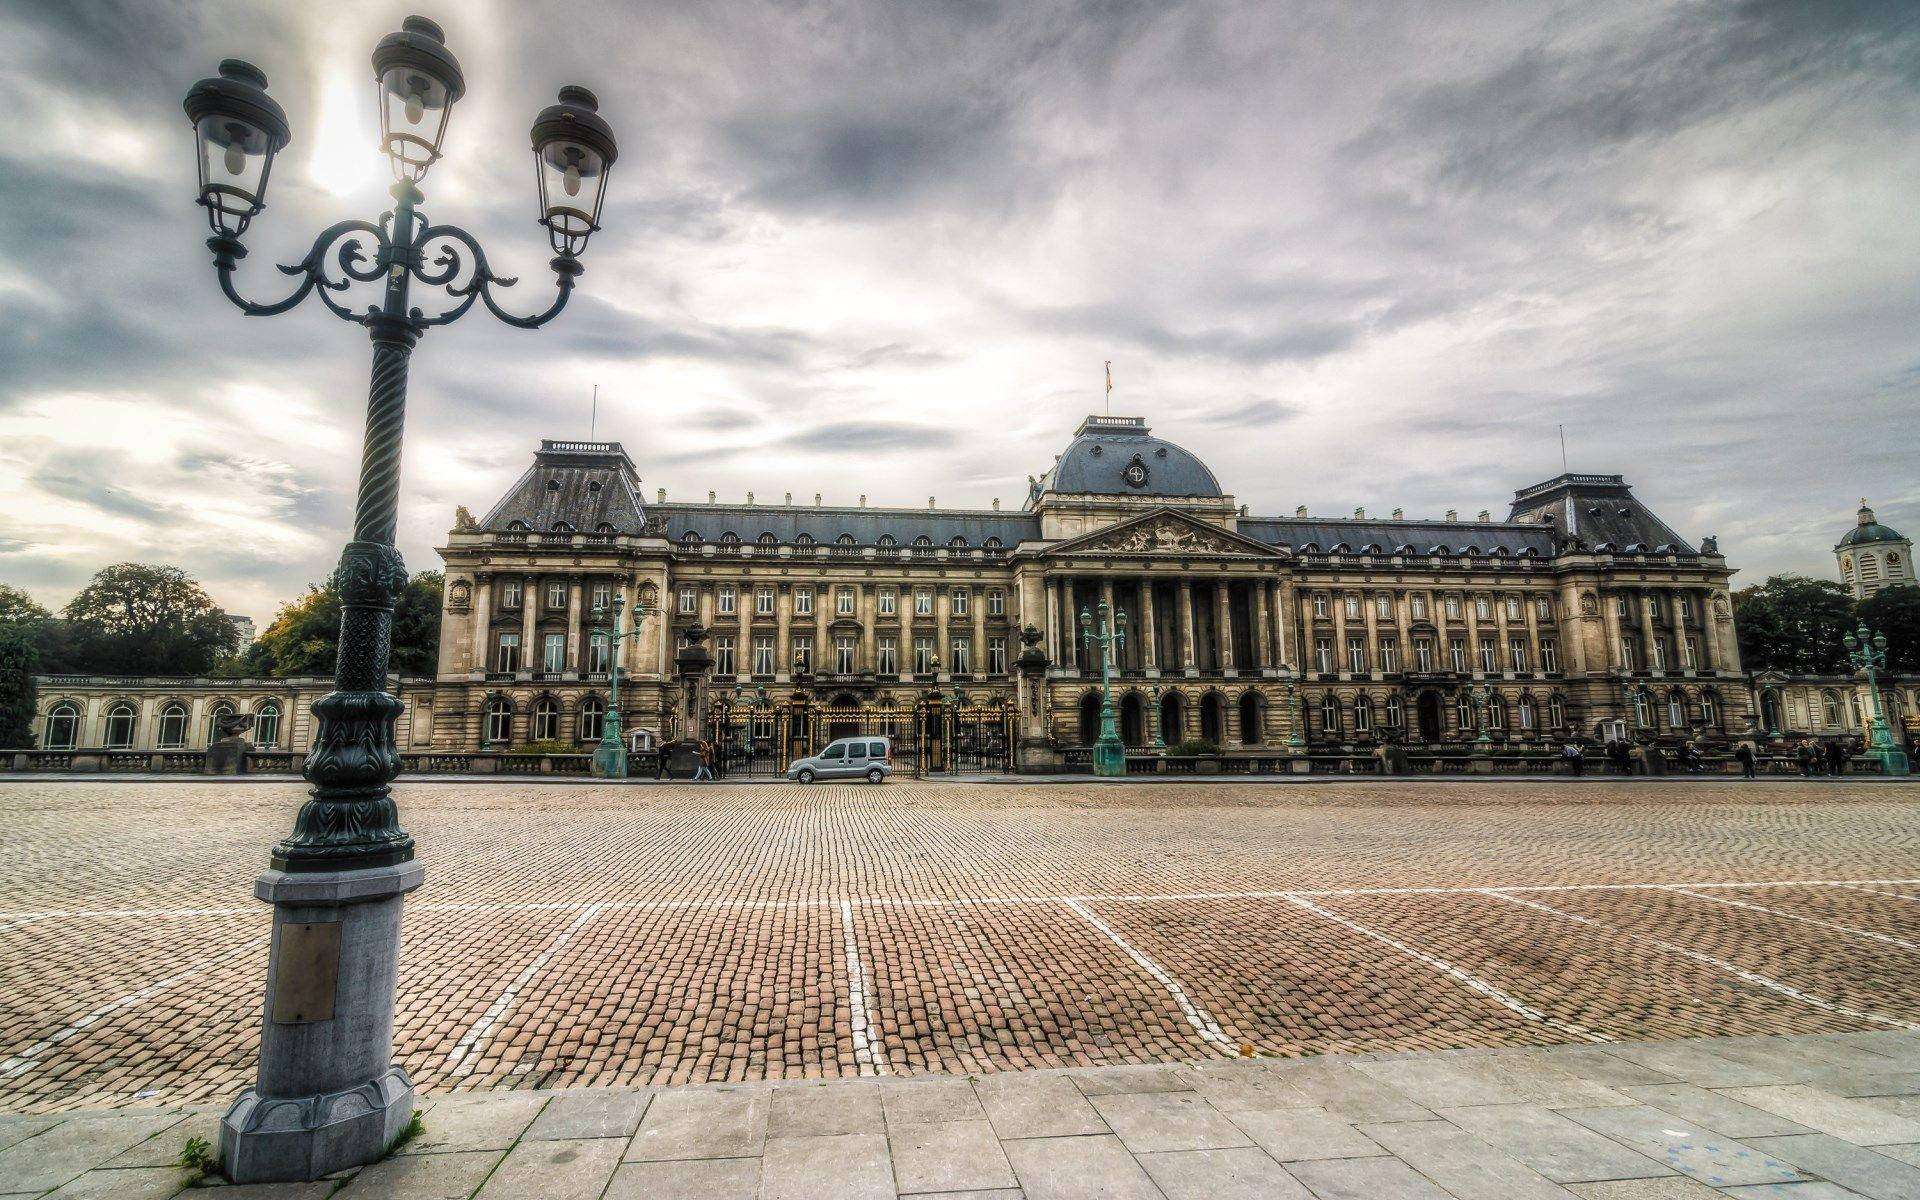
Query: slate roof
[825, 524]
[591, 486]
[1601, 511]
[1867, 529]
[1096, 460]
[1425, 537]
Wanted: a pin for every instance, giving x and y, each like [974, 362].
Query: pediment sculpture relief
[1165, 536]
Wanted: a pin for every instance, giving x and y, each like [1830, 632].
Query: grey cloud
[870, 437]
[1252, 411]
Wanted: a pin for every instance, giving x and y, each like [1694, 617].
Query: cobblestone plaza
[575, 935]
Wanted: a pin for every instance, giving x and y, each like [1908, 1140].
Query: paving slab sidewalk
[1727, 1117]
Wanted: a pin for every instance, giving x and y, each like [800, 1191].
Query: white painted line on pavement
[1506, 999]
[1774, 912]
[29, 1058]
[865, 1051]
[1855, 887]
[1201, 1020]
[1772, 985]
[460, 1061]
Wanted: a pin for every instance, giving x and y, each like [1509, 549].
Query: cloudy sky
[1351, 252]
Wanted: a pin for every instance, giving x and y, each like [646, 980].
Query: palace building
[1577, 611]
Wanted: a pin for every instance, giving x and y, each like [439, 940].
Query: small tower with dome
[1873, 556]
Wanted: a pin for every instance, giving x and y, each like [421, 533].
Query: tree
[1895, 612]
[18, 608]
[136, 619]
[304, 636]
[19, 659]
[1793, 624]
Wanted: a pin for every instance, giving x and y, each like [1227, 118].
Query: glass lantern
[573, 151]
[238, 129]
[418, 80]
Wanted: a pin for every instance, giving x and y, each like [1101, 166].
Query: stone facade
[1242, 629]
[153, 714]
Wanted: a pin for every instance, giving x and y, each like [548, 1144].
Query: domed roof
[1118, 456]
[1869, 530]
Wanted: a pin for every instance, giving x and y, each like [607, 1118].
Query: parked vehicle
[847, 758]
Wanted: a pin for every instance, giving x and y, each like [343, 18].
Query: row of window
[1659, 653]
[1453, 606]
[1365, 716]
[589, 720]
[884, 541]
[1423, 659]
[845, 652]
[62, 731]
[510, 594]
[727, 599]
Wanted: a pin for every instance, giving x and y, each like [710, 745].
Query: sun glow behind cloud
[346, 156]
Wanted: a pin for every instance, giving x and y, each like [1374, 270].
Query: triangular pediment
[1164, 531]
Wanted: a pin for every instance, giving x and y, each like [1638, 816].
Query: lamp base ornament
[327, 1096]
[1109, 757]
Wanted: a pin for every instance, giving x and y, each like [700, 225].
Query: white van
[847, 758]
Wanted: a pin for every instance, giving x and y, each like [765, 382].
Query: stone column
[1709, 651]
[1530, 609]
[1052, 589]
[482, 662]
[1370, 613]
[743, 638]
[1292, 626]
[1501, 658]
[823, 602]
[1106, 598]
[575, 599]
[530, 623]
[1403, 623]
[908, 631]
[979, 609]
[1671, 596]
[1149, 633]
[1339, 601]
[1263, 624]
[783, 633]
[1644, 598]
[1617, 644]
[942, 611]
[867, 608]
[1223, 625]
[1187, 664]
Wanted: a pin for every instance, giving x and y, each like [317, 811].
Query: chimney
[929, 501]
[663, 496]
[816, 499]
[1301, 512]
[1399, 514]
[710, 497]
[996, 504]
[863, 499]
[1453, 514]
[789, 499]
[1485, 516]
[1359, 514]
[749, 497]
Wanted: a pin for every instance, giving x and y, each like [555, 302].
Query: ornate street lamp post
[1479, 693]
[1159, 736]
[1296, 714]
[610, 757]
[327, 1095]
[1109, 754]
[1867, 651]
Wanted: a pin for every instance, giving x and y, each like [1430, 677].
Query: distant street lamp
[1159, 735]
[327, 1095]
[1109, 754]
[1296, 714]
[1867, 651]
[610, 757]
[1480, 695]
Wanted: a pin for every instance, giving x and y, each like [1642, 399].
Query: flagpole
[593, 422]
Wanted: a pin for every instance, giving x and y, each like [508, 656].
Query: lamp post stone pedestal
[1109, 753]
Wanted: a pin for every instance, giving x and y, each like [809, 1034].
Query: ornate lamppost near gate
[610, 756]
[1867, 652]
[1109, 754]
[327, 1095]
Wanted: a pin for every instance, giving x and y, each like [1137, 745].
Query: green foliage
[19, 659]
[1794, 624]
[198, 1156]
[18, 608]
[1194, 747]
[303, 638]
[415, 1127]
[1895, 612]
[137, 619]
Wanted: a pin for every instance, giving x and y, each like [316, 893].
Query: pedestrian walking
[1690, 755]
[705, 769]
[1837, 757]
[1744, 752]
[1803, 754]
[1576, 759]
[1617, 754]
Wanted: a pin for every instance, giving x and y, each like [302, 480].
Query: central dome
[1119, 456]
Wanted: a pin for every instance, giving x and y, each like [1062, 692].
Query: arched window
[1329, 712]
[730, 538]
[499, 720]
[804, 539]
[767, 539]
[516, 526]
[1556, 711]
[173, 727]
[923, 540]
[1710, 709]
[992, 543]
[1642, 709]
[266, 724]
[1363, 714]
[593, 712]
[120, 722]
[63, 727]
[1830, 701]
[1496, 711]
[845, 539]
[1676, 709]
[1529, 717]
[220, 712]
[1393, 715]
[1249, 719]
[546, 719]
[1468, 720]
[690, 538]
[886, 540]
[957, 542]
